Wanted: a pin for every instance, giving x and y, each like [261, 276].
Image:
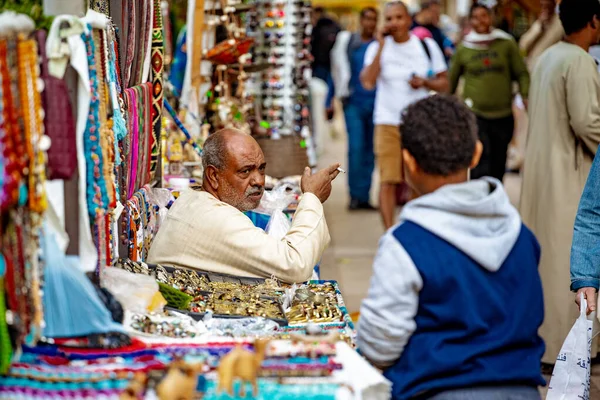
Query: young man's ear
[476, 154]
[409, 162]
[211, 177]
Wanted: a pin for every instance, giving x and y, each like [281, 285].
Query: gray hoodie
[476, 217]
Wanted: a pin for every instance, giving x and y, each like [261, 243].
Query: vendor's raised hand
[319, 183]
[589, 293]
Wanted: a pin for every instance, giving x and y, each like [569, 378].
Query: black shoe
[360, 205]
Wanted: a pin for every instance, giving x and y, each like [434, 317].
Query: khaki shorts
[388, 150]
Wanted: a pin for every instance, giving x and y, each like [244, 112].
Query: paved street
[354, 238]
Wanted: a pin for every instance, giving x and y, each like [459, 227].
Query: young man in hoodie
[489, 61]
[455, 300]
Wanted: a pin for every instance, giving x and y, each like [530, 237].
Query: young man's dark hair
[367, 10]
[440, 133]
[575, 15]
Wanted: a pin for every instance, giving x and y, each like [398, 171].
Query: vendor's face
[242, 181]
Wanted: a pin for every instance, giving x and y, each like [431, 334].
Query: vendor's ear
[409, 162]
[211, 176]
[476, 154]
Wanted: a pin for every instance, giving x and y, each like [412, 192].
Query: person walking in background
[428, 17]
[323, 37]
[404, 70]
[455, 300]
[545, 32]
[348, 58]
[564, 133]
[489, 60]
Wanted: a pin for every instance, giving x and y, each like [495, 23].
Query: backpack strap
[428, 53]
[426, 48]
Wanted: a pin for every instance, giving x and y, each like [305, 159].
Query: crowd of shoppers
[460, 279]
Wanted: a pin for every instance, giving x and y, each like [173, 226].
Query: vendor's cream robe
[202, 232]
[564, 132]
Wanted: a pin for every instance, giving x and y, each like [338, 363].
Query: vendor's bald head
[234, 168]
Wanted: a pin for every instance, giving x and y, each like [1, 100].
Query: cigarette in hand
[341, 170]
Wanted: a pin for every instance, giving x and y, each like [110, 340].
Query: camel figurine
[136, 388]
[180, 382]
[243, 364]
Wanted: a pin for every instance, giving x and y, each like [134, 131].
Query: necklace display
[22, 194]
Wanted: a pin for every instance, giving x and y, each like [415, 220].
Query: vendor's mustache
[253, 191]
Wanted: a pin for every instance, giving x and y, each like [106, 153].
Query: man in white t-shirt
[404, 70]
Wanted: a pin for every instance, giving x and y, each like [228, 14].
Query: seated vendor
[455, 301]
[206, 228]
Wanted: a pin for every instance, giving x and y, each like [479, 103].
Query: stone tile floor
[355, 235]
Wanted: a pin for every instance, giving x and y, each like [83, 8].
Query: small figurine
[180, 382]
[136, 388]
[243, 364]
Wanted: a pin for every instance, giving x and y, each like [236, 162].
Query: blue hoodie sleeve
[585, 251]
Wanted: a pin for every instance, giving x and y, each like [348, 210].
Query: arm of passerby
[456, 71]
[585, 252]
[439, 82]
[519, 70]
[370, 73]
[584, 111]
[340, 65]
[387, 315]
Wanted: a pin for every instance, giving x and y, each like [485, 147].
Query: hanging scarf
[157, 61]
[97, 196]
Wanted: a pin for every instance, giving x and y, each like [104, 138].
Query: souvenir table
[311, 370]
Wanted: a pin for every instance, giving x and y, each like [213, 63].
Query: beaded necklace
[15, 156]
[97, 198]
[31, 102]
[3, 153]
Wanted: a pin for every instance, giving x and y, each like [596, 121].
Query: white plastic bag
[571, 375]
[273, 203]
[135, 292]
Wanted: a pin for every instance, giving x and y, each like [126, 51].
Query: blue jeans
[490, 393]
[361, 159]
[325, 75]
[585, 252]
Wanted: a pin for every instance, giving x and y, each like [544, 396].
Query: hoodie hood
[478, 41]
[476, 217]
